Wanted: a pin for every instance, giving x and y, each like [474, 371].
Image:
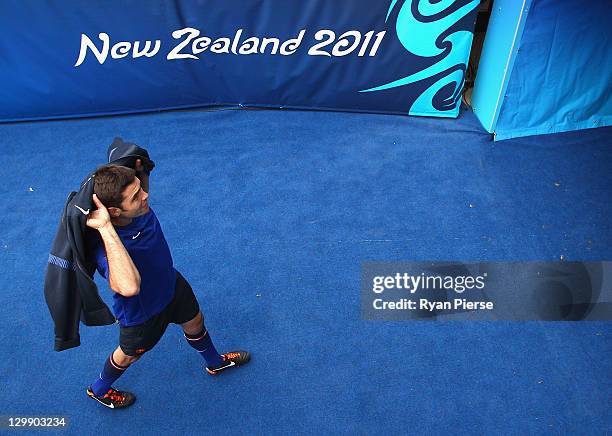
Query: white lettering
[340, 48]
[200, 44]
[266, 41]
[189, 38]
[177, 34]
[291, 45]
[145, 51]
[221, 45]
[377, 284]
[402, 304]
[431, 306]
[249, 46]
[120, 50]
[87, 43]
[236, 39]
[462, 303]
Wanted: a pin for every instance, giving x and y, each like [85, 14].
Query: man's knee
[123, 359]
[194, 325]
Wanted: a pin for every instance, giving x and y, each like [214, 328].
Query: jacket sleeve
[70, 292]
[94, 311]
[61, 295]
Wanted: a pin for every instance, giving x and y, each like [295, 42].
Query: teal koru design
[421, 38]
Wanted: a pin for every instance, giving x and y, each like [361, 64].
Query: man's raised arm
[123, 276]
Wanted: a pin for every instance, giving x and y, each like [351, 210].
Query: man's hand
[100, 218]
[142, 175]
[139, 167]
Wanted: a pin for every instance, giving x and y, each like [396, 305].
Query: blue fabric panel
[561, 76]
[504, 32]
[418, 67]
[62, 263]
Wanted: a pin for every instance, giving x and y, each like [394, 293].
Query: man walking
[134, 257]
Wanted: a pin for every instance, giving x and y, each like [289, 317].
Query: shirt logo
[135, 236]
[85, 212]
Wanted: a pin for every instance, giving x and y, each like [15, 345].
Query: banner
[60, 59]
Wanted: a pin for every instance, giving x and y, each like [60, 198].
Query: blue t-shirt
[144, 241]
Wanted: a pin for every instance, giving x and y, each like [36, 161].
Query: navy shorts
[137, 339]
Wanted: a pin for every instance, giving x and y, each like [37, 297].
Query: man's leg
[102, 391]
[114, 367]
[186, 307]
[198, 337]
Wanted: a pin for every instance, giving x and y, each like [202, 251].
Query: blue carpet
[269, 214]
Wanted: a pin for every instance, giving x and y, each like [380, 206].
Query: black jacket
[70, 292]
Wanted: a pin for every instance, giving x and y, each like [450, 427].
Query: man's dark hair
[110, 181]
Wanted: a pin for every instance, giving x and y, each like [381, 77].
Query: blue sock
[203, 345]
[110, 373]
